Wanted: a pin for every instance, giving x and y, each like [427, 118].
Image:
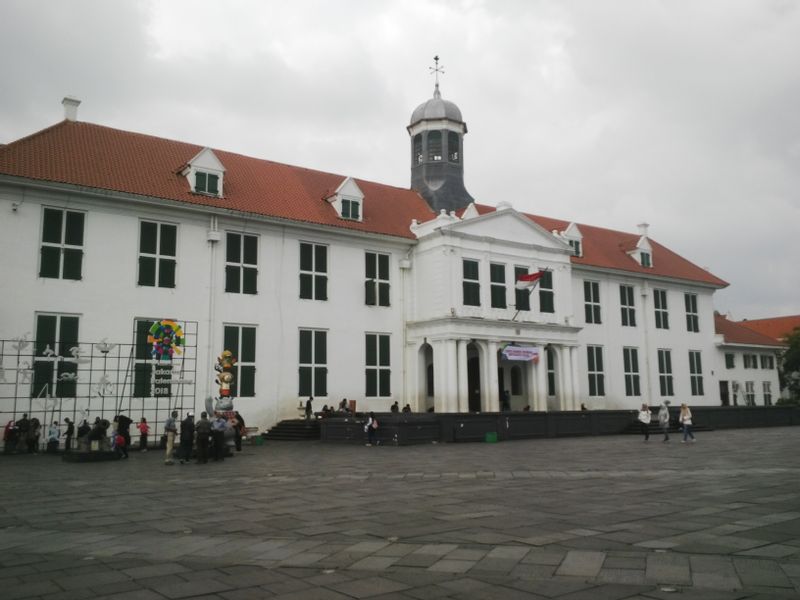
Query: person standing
[120, 447]
[238, 431]
[395, 407]
[53, 435]
[685, 419]
[124, 428]
[645, 416]
[34, 433]
[10, 437]
[170, 429]
[144, 430]
[663, 419]
[68, 435]
[187, 437]
[23, 427]
[309, 408]
[371, 428]
[202, 432]
[218, 427]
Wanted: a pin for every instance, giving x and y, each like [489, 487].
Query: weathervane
[436, 69]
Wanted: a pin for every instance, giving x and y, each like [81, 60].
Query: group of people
[22, 435]
[207, 436]
[684, 420]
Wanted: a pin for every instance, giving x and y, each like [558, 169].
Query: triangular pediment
[206, 159]
[507, 225]
[349, 188]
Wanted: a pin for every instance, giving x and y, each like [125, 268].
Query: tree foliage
[791, 364]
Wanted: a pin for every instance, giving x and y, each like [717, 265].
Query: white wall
[108, 299]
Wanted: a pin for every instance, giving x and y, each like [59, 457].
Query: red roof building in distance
[777, 328]
[736, 333]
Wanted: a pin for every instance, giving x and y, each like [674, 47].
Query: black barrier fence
[405, 429]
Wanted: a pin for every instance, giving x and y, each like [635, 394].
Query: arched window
[417, 149]
[435, 145]
[453, 150]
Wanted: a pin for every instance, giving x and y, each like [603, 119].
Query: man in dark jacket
[68, 434]
[203, 432]
[23, 427]
[187, 437]
[124, 427]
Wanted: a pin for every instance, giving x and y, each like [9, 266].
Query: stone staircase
[293, 430]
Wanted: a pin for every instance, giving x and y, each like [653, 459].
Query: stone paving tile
[374, 563]
[513, 514]
[582, 564]
[754, 572]
[367, 588]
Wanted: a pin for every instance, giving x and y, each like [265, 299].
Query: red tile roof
[606, 248]
[734, 333]
[94, 156]
[778, 328]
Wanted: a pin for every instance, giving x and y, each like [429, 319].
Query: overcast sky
[682, 113]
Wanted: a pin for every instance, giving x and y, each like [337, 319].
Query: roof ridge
[33, 135]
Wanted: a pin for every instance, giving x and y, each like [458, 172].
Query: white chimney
[70, 108]
[643, 229]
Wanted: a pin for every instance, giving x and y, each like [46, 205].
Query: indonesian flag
[529, 280]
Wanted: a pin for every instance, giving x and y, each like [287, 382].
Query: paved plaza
[583, 518]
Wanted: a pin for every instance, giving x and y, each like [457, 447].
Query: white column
[573, 352]
[531, 371]
[568, 402]
[493, 394]
[439, 376]
[541, 381]
[451, 393]
[463, 380]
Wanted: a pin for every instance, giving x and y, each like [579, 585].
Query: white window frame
[314, 273]
[377, 283]
[62, 246]
[666, 386]
[241, 363]
[591, 302]
[661, 308]
[627, 305]
[594, 367]
[498, 286]
[321, 367]
[630, 364]
[750, 393]
[157, 256]
[696, 373]
[692, 316]
[382, 366]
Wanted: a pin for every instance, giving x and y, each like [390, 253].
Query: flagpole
[533, 287]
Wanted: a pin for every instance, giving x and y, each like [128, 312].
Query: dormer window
[351, 209]
[205, 174]
[645, 260]
[573, 236]
[348, 200]
[206, 183]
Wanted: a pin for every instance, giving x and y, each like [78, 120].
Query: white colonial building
[132, 261]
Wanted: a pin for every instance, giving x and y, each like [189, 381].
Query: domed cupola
[437, 151]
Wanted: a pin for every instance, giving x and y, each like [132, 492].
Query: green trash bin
[491, 437]
[258, 440]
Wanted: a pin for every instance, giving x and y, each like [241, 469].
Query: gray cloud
[681, 114]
